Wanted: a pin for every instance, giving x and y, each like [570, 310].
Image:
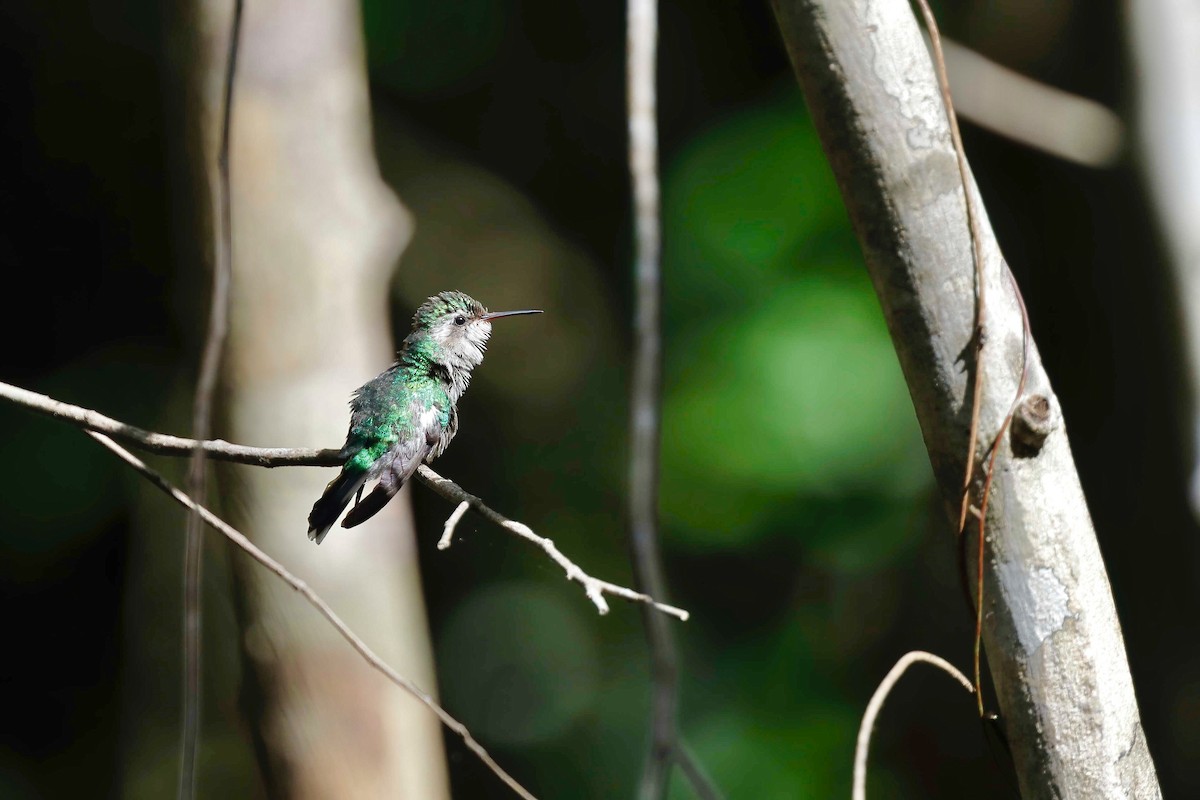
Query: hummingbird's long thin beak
[499, 314]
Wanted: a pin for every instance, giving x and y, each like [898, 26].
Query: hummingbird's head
[458, 327]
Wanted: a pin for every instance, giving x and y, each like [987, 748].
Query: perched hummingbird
[409, 413]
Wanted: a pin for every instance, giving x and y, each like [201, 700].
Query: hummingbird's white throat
[460, 349]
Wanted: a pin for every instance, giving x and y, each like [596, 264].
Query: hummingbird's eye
[460, 320]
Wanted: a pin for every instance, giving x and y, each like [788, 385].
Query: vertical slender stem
[645, 399]
[939, 61]
[206, 384]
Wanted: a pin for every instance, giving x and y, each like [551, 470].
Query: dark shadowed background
[799, 525]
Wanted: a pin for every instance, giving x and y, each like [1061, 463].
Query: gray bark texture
[316, 236]
[1051, 633]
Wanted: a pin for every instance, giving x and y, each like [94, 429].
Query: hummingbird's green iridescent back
[409, 413]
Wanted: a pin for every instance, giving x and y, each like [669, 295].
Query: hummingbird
[409, 413]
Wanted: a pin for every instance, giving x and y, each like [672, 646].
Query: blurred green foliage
[506, 648]
[428, 48]
[787, 427]
[781, 379]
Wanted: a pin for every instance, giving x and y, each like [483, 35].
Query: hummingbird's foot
[358, 496]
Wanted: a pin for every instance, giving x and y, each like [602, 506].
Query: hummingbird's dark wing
[402, 459]
[399, 464]
[372, 435]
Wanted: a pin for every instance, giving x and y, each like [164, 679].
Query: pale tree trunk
[316, 235]
[1164, 37]
[1053, 642]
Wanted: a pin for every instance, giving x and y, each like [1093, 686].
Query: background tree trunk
[316, 235]
[1053, 640]
[1164, 39]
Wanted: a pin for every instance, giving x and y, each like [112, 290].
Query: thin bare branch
[645, 406]
[219, 450]
[876, 705]
[241, 541]
[206, 386]
[699, 779]
[943, 78]
[989, 477]
[165, 444]
[939, 62]
[594, 588]
[452, 523]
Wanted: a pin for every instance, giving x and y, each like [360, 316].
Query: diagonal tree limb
[219, 450]
[240, 540]
[1053, 640]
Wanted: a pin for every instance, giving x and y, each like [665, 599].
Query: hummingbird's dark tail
[336, 497]
[385, 490]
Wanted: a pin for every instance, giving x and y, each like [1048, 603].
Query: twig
[315, 600]
[594, 588]
[876, 705]
[451, 523]
[977, 389]
[701, 782]
[206, 385]
[978, 335]
[165, 444]
[1026, 335]
[976, 250]
[219, 450]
